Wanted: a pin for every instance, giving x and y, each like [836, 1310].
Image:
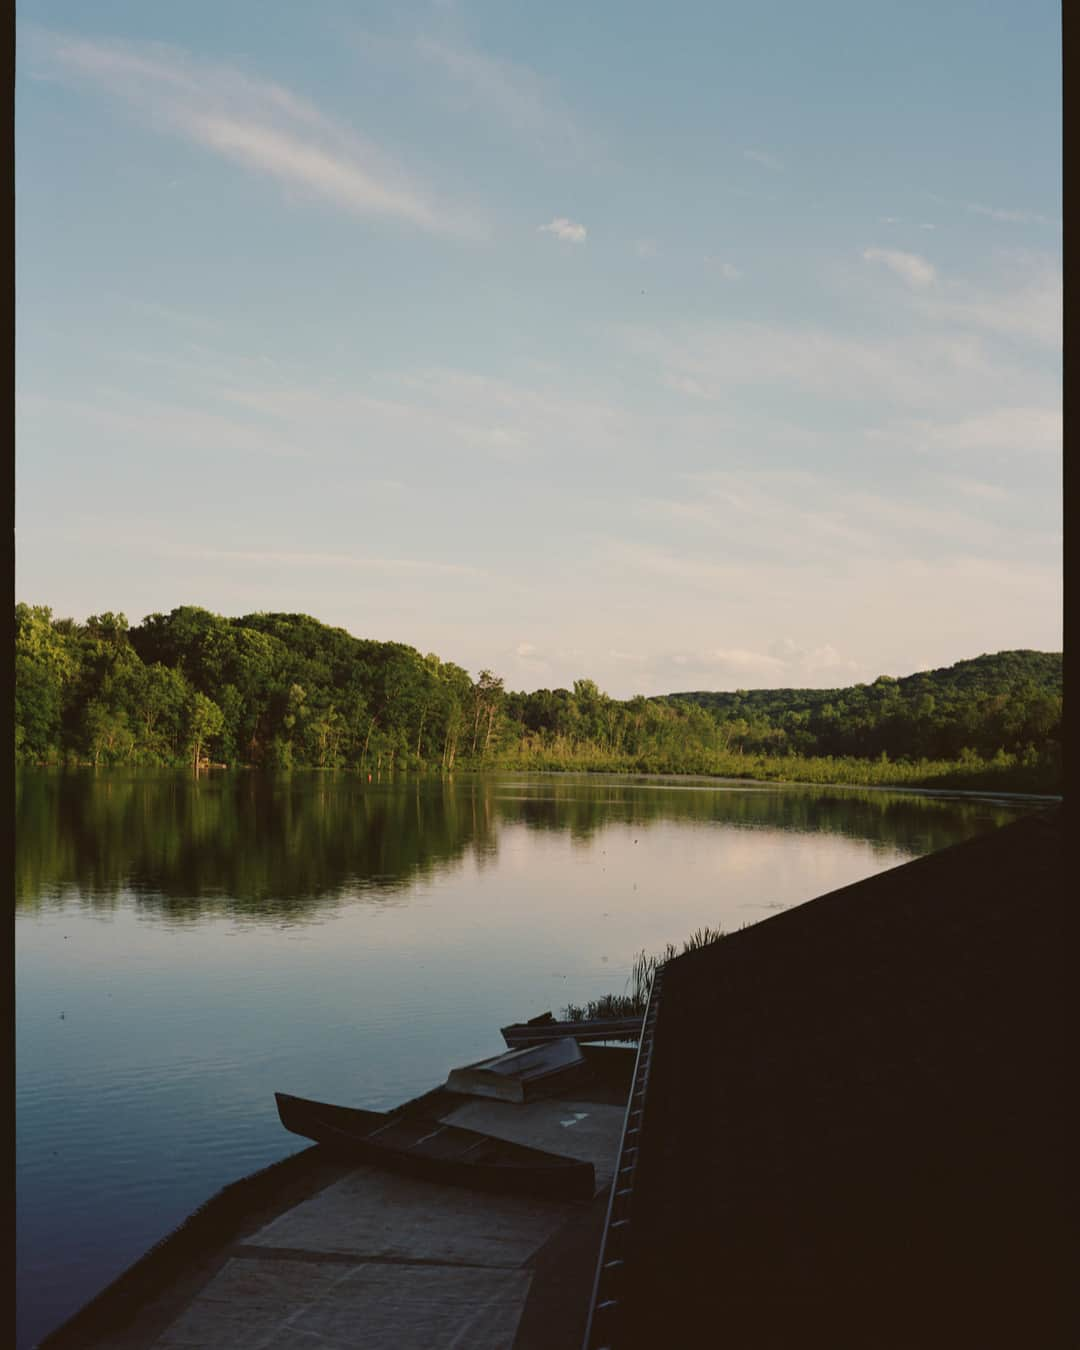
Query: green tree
[205, 720]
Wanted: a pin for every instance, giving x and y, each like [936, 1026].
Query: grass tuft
[639, 984]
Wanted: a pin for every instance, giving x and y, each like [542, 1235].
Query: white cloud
[763, 158]
[1029, 309]
[563, 228]
[815, 661]
[968, 600]
[1011, 216]
[645, 248]
[685, 384]
[784, 664]
[909, 266]
[727, 270]
[736, 659]
[256, 123]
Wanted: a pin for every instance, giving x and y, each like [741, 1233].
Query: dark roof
[853, 1134]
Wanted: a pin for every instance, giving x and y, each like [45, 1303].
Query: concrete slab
[586, 1130]
[261, 1304]
[374, 1213]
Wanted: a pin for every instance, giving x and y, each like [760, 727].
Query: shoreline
[690, 778]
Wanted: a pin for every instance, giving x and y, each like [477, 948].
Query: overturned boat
[523, 1075]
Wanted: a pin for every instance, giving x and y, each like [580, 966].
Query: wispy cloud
[1028, 307]
[727, 270]
[974, 487]
[790, 519]
[670, 564]
[686, 384]
[183, 317]
[729, 660]
[720, 359]
[1010, 430]
[563, 228]
[910, 267]
[150, 425]
[515, 96]
[1012, 217]
[391, 566]
[762, 157]
[783, 663]
[411, 414]
[255, 123]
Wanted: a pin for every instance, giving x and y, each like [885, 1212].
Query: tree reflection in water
[288, 845]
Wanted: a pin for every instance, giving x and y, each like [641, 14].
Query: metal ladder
[605, 1310]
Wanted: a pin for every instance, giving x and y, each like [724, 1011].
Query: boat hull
[538, 1032]
[434, 1151]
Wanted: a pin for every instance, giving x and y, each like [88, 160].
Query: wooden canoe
[541, 1030]
[435, 1151]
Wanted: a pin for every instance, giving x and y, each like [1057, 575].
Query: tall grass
[1023, 771]
[639, 983]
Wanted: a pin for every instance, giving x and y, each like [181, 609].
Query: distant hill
[987, 675]
[1006, 700]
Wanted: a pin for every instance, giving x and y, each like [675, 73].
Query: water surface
[185, 948]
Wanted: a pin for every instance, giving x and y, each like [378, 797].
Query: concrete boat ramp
[317, 1253]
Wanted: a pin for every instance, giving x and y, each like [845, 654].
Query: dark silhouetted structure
[854, 1130]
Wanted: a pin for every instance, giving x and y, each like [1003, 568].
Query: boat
[435, 1151]
[544, 1028]
[522, 1075]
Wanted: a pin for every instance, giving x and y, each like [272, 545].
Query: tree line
[285, 691]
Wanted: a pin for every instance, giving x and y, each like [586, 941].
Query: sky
[676, 347]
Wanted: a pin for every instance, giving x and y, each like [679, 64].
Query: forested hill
[286, 691]
[1008, 697]
[1000, 673]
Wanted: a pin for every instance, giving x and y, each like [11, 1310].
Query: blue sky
[691, 346]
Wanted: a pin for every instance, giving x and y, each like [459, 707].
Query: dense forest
[285, 691]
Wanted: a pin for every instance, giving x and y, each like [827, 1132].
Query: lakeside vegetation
[283, 691]
[635, 1000]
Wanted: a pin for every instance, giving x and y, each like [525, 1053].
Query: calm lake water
[185, 948]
